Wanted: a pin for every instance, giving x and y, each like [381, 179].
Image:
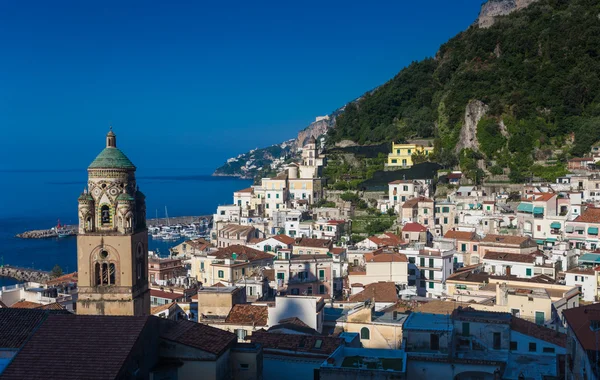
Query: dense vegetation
[537, 70]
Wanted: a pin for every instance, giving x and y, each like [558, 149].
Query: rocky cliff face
[468, 134]
[494, 8]
[317, 128]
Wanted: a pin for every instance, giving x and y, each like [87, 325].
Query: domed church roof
[111, 157]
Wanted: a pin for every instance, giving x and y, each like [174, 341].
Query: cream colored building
[232, 234]
[215, 303]
[230, 264]
[112, 244]
[541, 300]
[383, 330]
[275, 192]
[308, 246]
[382, 267]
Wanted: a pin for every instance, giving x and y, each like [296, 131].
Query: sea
[38, 199]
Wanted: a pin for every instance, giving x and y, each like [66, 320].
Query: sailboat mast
[167, 215]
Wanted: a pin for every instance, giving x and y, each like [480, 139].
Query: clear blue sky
[189, 84]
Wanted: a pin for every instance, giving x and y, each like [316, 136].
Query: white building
[428, 269]
[586, 280]
[382, 267]
[515, 264]
[306, 308]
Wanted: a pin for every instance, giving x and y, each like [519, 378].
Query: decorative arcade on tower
[112, 244]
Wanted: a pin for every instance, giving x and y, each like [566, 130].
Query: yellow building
[401, 155]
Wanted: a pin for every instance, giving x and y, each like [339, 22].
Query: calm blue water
[36, 199]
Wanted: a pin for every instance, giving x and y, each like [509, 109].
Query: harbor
[167, 228]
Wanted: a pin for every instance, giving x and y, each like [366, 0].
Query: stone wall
[24, 275]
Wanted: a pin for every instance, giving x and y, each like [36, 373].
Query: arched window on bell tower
[105, 272]
[105, 215]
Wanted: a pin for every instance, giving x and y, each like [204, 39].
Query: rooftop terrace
[428, 322]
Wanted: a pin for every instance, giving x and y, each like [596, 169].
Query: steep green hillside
[536, 70]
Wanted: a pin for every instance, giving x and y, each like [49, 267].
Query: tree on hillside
[419, 157]
[56, 271]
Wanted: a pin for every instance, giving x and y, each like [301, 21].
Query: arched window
[98, 274]
[88, 222]
[105, 274]
[105, 214]
[365, 333]
[111, 274]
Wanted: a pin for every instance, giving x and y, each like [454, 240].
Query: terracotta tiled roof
[313, 243]
[200, 336]
[505, 239]
[166, 295]
[243, 231]
[579, 320]
[468, 276]
[385, 257]
[70, 278]
[415, 201]
[387, 239]
[587, 271]
[269, 274]
[26, 305]
[581, 159]
[590, 215]
[98, 347]
[513, 257]
[294, 321]
[454, 176]
[159, 309]
[246, 190]
[242, 253]
[284, 239]
[544, 197]
[398, 181]
[461, 235]
[52, 306]
[198, 244]
[537, 331]
[413, 227]
[378, 291]
[296, 344]
[246, 314]
[294, 324]
[337, 250]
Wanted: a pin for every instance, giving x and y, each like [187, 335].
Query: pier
[72, 229]
[24, 274]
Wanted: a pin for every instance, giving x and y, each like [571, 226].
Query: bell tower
[112, 243]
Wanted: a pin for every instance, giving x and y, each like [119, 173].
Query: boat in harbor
[63, 231]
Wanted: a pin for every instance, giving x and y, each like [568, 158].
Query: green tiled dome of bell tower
[111, 157]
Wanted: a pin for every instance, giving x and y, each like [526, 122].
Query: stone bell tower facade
[112, 243]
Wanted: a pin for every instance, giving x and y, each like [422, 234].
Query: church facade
[112, 243]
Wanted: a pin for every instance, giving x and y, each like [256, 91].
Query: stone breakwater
[43, 234]
[24, 274]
